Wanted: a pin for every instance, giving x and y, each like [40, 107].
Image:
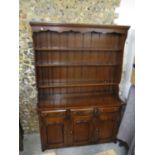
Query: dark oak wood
[78, 71]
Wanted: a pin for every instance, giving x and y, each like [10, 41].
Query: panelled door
[82, 129]
[107, 124]
[53, 129]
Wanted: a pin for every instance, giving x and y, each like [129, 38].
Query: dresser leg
[42, 148]
[115, 140]
[121, 143]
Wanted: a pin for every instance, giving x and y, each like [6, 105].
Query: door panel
[55, 133]
[81, 127]
[81, 130]
[53, 125]
[107, 125]
[106, 129]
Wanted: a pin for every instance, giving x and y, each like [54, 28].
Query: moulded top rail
[62, 27]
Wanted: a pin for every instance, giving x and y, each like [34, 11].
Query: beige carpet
[109, 152]
[49, 153]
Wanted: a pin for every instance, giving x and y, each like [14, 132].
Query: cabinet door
[81, 127]
[53, 129]
[107, 124]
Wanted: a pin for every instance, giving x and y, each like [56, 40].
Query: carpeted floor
[32, 147]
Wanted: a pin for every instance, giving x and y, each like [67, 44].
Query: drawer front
[52, 113]
[109, 109]
[112, 113]
[82, 112]
[109, 116]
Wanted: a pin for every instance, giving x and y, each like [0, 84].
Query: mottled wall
[56, 11]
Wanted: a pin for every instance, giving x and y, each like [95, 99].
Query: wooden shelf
[75, 49]
[75, 64]
[54, 85]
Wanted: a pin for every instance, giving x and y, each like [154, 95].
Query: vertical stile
[63, 60]
[84, 60]
[46, 58]
[86, 55]
[41, 58]
[58, 44]
[87, 46]
[60, 68]
[52, 70]
[103, 56]
[98, 73]
[50, 62]
[74, 61]
[82, 67]
[90, 60]
[71, 59]
[107, 61]
[47, 61]
[35, 43]
[67, 59]
[90, 56]
[95, 55]
[78, 58]
[111, 60]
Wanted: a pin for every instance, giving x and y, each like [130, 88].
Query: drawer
[109, 113]
[109, 109]
[53, 113]
[82, 112]
[108, 116]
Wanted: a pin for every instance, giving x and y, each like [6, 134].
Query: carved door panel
[82, 129]
[107, 124]
[53, 129]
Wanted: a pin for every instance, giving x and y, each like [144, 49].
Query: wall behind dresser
[56, 11]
